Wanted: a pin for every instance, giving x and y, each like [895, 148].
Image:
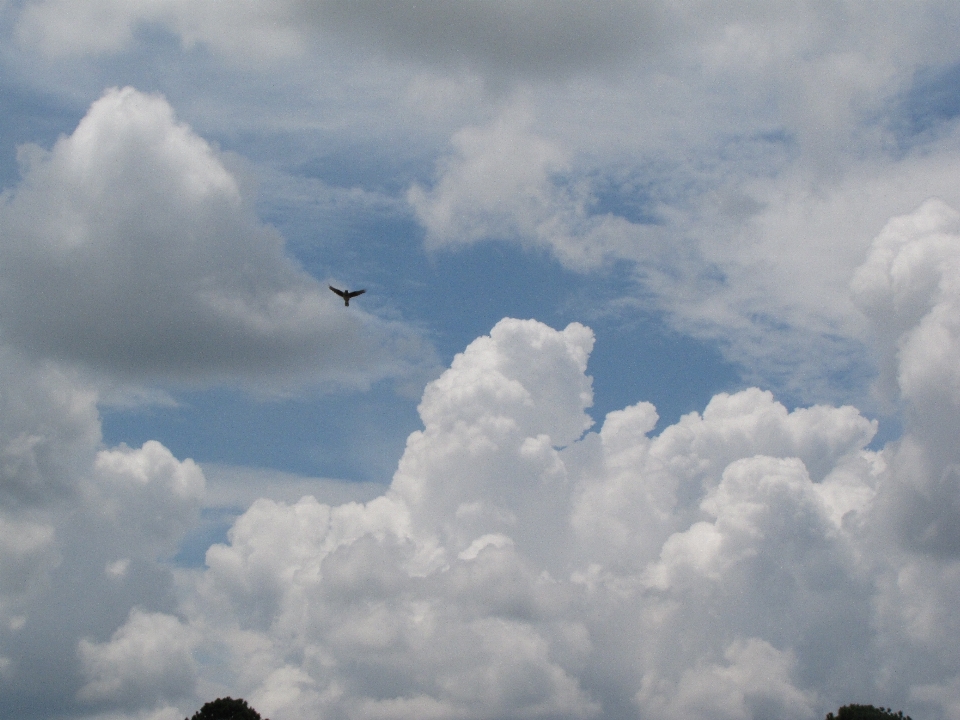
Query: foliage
[226, 709]
[867, 712]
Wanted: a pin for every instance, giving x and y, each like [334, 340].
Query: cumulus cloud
[146, 659]
[753, 682]
[129, 249]
[518, 568]
[85, 537]
[747, 561]
[908, 288]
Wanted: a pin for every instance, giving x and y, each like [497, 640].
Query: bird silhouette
[346, 294]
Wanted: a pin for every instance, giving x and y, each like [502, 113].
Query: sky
[650, 409]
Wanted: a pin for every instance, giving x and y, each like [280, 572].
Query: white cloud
[754, 682]
[753, 249]
[146, 659]
[759, 141]
[234, 487]
[698, 573]
[503, 182]
[85, 535]
[750, 166]
[129, 250]
[746, 562]
[909, 288]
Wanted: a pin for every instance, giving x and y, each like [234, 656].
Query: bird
[346, 294]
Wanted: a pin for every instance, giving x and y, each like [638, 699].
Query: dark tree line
[867, 712]
[229, 709]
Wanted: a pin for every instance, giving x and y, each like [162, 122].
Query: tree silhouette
[867, 712]
[226, 709]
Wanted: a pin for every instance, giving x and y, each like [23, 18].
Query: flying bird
[346, 294]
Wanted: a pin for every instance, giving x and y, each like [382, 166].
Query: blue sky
[649, 408]
[454, 297]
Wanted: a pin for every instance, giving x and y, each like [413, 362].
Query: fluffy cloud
[128, 248]
[909, 288]
[85, 536]
[516, 568]
[742, 563]
[148, 658]
[746, 561]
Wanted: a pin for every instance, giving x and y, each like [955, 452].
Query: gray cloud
[129, 249]
[553, 38]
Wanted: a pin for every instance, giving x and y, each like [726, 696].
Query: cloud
[544, 38]
[67, 28]
[551, 38]
[503, 182]
[739, 157]
[746, 561]
[738, 235]
[908, 288]
[515, 568]
[129, 249]
[85, 537]
[148, 658]
[753, 682]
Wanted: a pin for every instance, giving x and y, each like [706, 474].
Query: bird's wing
[341, 293]
[355, 293]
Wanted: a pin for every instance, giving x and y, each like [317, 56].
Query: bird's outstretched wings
[346, 294]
